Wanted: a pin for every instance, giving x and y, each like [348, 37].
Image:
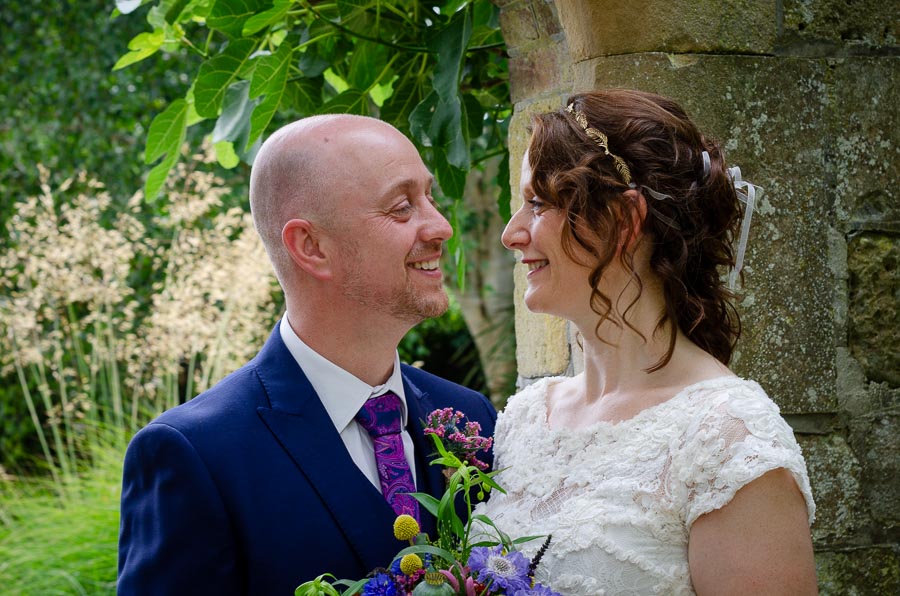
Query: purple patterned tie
[380, 416]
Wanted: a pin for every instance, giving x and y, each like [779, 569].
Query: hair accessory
[748, 194]
[705, 156]
[601, 140]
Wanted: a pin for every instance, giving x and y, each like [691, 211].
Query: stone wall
[804, 94]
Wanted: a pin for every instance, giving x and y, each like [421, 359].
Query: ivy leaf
[229, 16]
[269, 77]
[217, 74]
[262, 20]
[351, 101]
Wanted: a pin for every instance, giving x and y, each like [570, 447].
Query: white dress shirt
[343, 395]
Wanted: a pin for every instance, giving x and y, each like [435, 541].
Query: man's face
[389, 233]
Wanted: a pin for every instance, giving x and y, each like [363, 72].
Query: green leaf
[366, 63]
[398, 107]
[439, 123]
[351, 101]
[234, 122]
[452, 6]
[157, 176]
[504, 198]
[474, 115]
[305, 94]
[226, 155]
[166, 132]
[229, 16]
[451, 179]
[450, 45]
[142, 46]
[173, 15]
[217, 74]
[269, 77]
[270, 74]
[427, 501]
[135, 56]
[264, 19]
[418, 549]
[421, 117]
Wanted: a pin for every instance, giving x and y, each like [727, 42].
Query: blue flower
[537, 590]
[380, 585]
[509, 572]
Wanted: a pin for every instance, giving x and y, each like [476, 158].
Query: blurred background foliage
[64, 107]
[113, 307]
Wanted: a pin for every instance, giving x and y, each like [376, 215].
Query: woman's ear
[302, 240]
[631, 232]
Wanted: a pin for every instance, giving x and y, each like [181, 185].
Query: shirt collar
[341, 393]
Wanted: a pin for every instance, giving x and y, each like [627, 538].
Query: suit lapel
[429, 479]
[301, 425]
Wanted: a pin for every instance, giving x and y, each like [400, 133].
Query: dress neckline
[544, 412]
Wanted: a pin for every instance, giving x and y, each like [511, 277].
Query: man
[272, 477]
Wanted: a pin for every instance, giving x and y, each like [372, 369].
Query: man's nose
[437, 227]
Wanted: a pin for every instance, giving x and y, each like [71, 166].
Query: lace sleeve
[738, 439]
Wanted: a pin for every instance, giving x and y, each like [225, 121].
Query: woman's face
[556, 284]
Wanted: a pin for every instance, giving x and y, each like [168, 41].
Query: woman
[656, 470]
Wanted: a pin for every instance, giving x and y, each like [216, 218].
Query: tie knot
[381, 415]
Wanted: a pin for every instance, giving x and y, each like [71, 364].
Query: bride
[656, 470]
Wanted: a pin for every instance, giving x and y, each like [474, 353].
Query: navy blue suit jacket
[248, 488]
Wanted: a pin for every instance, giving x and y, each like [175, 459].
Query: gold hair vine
[601, 140]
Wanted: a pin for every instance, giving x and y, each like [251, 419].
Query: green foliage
[443, 346]
[53, 545]
[61, 104]
[435, 70]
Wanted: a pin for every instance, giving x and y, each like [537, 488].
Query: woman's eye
[537, 205]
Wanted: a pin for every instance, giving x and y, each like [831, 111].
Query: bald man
[271, 478]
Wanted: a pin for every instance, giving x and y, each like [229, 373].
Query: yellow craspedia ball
[409, 564]
[405, 527]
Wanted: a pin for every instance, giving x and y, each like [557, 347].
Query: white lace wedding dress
[619, 499]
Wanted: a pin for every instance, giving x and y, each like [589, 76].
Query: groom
[278, 474]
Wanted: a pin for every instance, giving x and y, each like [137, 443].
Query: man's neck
[362, 348]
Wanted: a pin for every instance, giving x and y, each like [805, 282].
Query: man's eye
[403, 209]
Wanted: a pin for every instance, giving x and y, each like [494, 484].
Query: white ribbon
[747, 194]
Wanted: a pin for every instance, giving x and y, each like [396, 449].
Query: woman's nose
[514, 234]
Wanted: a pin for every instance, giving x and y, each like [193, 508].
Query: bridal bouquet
[453, 564]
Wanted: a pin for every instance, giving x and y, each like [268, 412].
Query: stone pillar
[804, 94]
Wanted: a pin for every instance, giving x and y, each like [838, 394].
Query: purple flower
[537, 590]
[380, 585]
[509, 572]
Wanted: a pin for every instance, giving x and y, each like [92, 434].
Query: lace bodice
[619, 499]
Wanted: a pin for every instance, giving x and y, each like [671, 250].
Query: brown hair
[691, 229]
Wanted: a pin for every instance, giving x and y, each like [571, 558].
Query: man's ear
[302, 239]
[637, 209]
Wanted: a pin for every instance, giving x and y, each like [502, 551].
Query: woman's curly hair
[691, 229]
